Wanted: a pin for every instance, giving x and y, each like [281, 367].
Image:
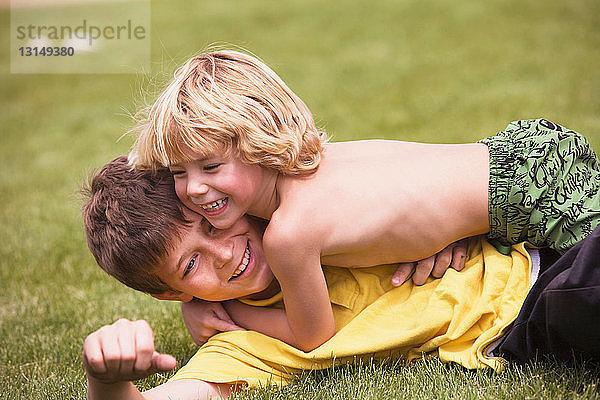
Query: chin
[225, 222]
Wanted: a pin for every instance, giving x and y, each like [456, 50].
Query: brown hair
[223, 101]
[131, 219]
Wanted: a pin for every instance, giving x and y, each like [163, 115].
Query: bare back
[378, 202]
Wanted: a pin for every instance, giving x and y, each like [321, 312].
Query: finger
[423, 270]
[127, 348]
[442, 262]
[163, 362]
[144, 345]
[459, 256]
[92, 357]
[111, 352]
[402, 273]
[222, 314]
[223, 326]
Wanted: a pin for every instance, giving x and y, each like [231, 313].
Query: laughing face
[222, 189]
[217, 265]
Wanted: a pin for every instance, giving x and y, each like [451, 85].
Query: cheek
[246, 185]
[203, 287]
[181, 191]
[181, 188]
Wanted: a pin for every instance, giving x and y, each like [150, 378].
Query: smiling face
[222, 189]
[217, 265]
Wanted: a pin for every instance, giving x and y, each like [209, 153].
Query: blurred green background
[430, 70]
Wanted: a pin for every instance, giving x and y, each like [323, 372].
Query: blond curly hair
[226, 101]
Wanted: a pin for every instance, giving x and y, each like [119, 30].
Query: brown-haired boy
[135, 227]
[116, 218]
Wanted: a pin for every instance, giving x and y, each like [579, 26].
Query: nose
[195, 186]
[222, 253]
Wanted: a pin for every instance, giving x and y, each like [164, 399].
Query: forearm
[268, 321]
[120, 390]
[272, 322]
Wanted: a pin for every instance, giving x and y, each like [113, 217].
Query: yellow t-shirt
[454, 317]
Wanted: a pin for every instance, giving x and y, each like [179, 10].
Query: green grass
[433, 70]
[433, 380]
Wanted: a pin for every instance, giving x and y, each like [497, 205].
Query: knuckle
[127, 356]
[447, 249]
[146, 348]
[418, 281]
[444, 260]
[95, 362]
[142, 325]
[143, 365]
[111, 357]
[88, 340]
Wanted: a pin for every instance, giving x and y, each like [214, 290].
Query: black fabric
[561, 314]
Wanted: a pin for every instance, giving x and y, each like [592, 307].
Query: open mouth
[216, 206]
[244, 264]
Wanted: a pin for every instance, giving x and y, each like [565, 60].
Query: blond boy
[238, 141]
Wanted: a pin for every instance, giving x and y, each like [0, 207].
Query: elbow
[316, 340]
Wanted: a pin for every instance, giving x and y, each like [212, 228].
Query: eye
[177, 172]
[190, 266]
[211, 167]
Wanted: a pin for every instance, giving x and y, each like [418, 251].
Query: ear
[174, 296]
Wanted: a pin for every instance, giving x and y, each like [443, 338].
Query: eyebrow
[178, 165]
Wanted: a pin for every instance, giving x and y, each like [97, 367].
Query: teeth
[244, 263]
[215, 205]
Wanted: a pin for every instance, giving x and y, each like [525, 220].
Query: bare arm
[268, 321]
[297, 267]
[235, 316]
[117, 354]
[275, 323]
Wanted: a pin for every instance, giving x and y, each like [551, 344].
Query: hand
[123, 351]
[454, 255]
[204, 319]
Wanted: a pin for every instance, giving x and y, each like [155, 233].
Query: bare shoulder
[294, 222]
[290, 231]
[290, 236]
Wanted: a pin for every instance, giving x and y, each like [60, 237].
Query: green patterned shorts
[544, 185]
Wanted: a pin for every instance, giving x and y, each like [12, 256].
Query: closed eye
[211, 167]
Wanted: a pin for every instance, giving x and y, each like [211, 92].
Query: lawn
[432, 70]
